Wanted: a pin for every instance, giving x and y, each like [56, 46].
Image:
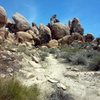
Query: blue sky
[40, 11]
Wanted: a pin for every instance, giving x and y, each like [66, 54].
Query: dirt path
[82, 85]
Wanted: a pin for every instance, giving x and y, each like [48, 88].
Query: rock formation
[3, 17]
[75, 26]
[59, 30]
[45, 34]
[21, 22]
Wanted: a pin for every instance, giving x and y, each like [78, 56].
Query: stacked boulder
[51, 35]
[59, 31]
[21, 22]
[68, 39]
[45, 34]
[75, 26]
[3, 17]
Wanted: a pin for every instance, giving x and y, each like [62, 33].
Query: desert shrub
[65, 48]
[90, 54]
[53, 50]
[43, 55]
[79, 60]
[97, 59]
[64, 55]
[21, 49]
[14, 90]
[94, 65]
[59, 94]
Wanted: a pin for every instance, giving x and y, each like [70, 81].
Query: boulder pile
[20, 31]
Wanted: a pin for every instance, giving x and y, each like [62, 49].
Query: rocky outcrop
[59, 30]
[75, 26]
[53, 44]
[3, 17]
[21, 22]
[45, 34]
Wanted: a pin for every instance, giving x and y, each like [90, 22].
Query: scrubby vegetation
[14, 90]
[89, 59]
[59, 94]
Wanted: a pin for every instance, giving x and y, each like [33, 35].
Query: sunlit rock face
[3, 16]
[59, 30]
[21, 22]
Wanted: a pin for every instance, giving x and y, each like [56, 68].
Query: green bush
[14, 90]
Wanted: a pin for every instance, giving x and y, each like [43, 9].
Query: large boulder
[24, 37]
[21, 22]
[45, 34]
[53, 44]
[75, 26]
[78, 36]
[89, 37]
[68, 39]
[3, 16]
[59, 30]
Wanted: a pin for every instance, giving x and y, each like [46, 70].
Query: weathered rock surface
[59, 31]
[75, 26]
[23, 36]
[68, 39]
[21, 22]
[77, 36]
[3, 16]
[45, 34]
[35, 36]
[53, 44]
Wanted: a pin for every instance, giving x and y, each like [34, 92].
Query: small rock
[11, 74]
[52, 80]
[33, 64]
[13, 50]
[40, 70]
[75, 69]
[2, 75]
[35, 59]
[30, 75]
[9, 70]
[60, 85]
